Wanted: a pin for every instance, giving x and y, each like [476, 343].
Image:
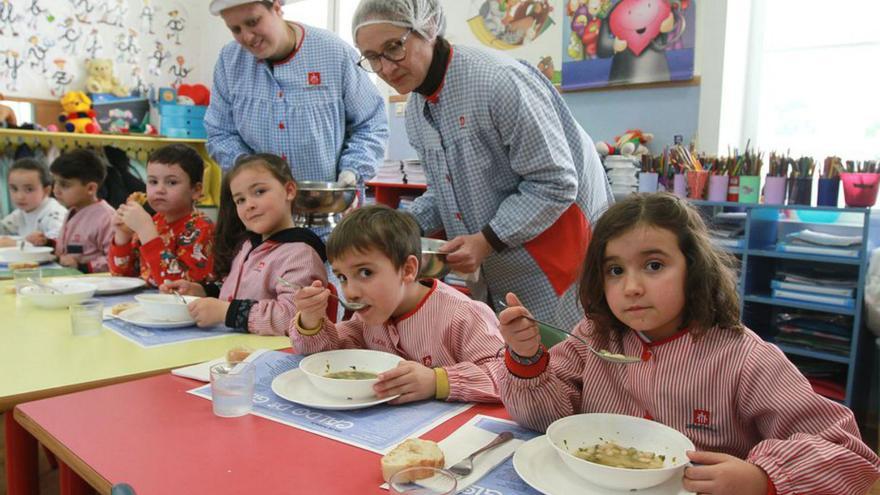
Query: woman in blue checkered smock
[294, 91]
[512, 178]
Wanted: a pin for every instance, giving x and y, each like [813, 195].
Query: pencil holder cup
[860, 189]
[697, 180]
[800, 191]
[648, 182]
[679, 185]
[718, 187]
[733, 188]
[827, 194]
[774, 190]
[749, 188]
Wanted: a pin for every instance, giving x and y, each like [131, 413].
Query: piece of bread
[238, 354]
[413, 453]
[117, 309]
[138, 197]
[21, 265]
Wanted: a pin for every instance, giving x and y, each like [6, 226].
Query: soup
[352, 375]
[611, 454]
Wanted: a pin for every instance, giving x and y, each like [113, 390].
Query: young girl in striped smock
[256, 243]
[653, 286]
[449, 341]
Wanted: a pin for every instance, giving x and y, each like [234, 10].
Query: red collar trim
[419, 305]
[295, 48]
[435, 96]
[665, 340]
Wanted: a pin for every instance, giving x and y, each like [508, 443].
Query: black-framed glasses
[394, 51]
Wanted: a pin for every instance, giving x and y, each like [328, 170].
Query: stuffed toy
[630, 143]
[100, 78]
[193, 94]
[78, 115]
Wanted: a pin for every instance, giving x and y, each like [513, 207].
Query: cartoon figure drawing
[147, 14]
[60, 79]
[8, 18]
[127, 48]
[82, 10]
[586, 22]
[545, 65]
[35, 13]
[94, 45]
[175, 25]
[157, 58]
[71, 33]
[630, 37]
[114, 14]
[179, 71]
[507, 24]
[13, 62]
[138, 84]
[36, 54]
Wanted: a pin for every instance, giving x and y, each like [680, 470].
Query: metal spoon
[465, 466]
[52, 290]
[353, 306]
[182, 299]
[603, 354]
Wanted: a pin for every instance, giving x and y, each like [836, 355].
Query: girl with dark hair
[255, 245]
[653, 286]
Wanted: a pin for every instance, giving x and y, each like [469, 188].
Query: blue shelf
[772, 253]
[802, 351]
[799, 304]
[753, 206]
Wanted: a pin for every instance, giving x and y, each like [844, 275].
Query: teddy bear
[630, 143]
[78, 115]
[100, 78]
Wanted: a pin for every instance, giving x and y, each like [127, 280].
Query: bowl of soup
[347, 373]
[166, 307]
[618, 451]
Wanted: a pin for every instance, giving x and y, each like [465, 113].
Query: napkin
[202, 371]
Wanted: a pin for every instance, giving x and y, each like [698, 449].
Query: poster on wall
[620, 42]
[524, 29]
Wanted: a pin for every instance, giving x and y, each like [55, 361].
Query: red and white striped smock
[447, 329]
[728, 392]
[254, 275]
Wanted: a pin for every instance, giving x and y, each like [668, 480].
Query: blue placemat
[502, 480]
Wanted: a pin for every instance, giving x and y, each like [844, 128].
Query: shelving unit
[389, 193]
[764, 226]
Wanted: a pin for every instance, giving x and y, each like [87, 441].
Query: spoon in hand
[353, 306]
[603, 354]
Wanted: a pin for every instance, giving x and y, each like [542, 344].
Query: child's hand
[184, 287]
[7, 241]
[37, 238]
[208, 311]
[410, 379]
[722, 474]
[123, 234]
[311, 302]
[520, 334]
[68, 260]
[136, 218]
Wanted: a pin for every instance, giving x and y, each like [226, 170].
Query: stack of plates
[622, 174]
[28, 254]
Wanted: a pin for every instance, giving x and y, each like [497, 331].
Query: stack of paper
[401, 172]
[815, 284]
[816, 331]
[812, 242]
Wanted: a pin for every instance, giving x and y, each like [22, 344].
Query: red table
[151, 434]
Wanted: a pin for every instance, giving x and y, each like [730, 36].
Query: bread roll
[119, 308]
[238, 354]
[414, 452]
[21, 265]
[138, 197]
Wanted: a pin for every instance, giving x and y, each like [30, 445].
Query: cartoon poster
[617, 42]
[529, 30]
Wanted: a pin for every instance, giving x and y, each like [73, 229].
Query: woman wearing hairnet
[512, 178]
[293, 90]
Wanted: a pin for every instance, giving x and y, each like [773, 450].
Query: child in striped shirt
[176, 243]
[653, 286]
[255, 245]
[449, 341]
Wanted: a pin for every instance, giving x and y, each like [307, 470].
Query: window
[334, 15]
[813, 78]
[24, 111]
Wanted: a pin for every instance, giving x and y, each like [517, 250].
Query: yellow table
[39, 358]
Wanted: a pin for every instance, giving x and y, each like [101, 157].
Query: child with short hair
[654, 286]
[37, 217]
[256, 243]
[85, 237]
[175, 243]
[450, 342]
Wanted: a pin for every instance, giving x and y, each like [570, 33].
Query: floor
[49, 477]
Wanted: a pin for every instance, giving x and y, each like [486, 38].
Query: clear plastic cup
[232, 389]
[87, 317]
[432, 481]
[25, 276]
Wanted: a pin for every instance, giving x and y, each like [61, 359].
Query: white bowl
[33, 254]
[71, 293]
[317, 365]
[585, 430]
[165, 307]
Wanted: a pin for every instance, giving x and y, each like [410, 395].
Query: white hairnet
[423, 16]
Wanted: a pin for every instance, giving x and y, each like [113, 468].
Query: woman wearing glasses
[294, 91]
[512, 178]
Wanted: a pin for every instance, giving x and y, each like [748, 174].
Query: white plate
[109, 285]
[40, 254]
[137, 316]
[539, 465]
[294, 386]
